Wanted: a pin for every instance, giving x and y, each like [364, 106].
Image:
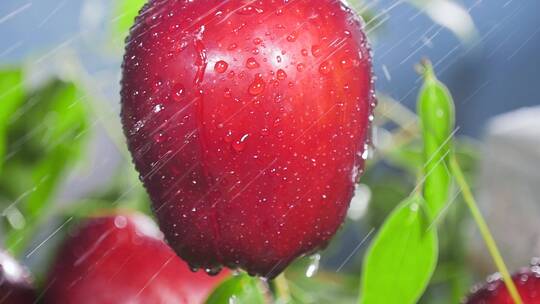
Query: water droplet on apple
[292, 37]
[324, 68]
[240, 144]
[257, 86]
[221, 67]
[316, 50]
[179, 92]
[251, 63]
[281, 74]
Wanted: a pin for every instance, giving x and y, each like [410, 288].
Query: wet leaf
[11, 96]
[436, 111]
[238, 289]
[401, 258]
[43, 143]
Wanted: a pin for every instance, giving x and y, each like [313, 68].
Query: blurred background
[64, 152]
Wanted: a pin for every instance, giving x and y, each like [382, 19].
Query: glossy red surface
[495, 292]
[123, 259]
[15, 282]
[247, 121]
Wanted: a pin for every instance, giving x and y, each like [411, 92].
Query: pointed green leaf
[436, 111]
[238, 289]
[401, 258]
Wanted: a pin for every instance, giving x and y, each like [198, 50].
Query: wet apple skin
[247, 122]
[527, 281]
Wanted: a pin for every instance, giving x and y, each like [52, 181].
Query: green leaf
[238, 289]
[436, 111]
[127, 10]
[11, 96]
[53, 124]
[401, 258]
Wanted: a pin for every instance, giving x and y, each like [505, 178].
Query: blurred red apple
[494, 291]
[123, 259]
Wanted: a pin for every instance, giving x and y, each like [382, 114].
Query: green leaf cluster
[44, 132]
[403, 256]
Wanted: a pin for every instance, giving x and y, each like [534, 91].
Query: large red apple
[247, 121]
[123, 259]
[15, 282]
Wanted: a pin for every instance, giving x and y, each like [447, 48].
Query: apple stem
[484, 229]
[283, 294]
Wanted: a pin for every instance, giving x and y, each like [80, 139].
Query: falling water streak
[11, 48]
[379, 23]
[26, 193]
[226, 17]
[393, 47]
[524, 43]
[441, 160]
[94, 247]
[57, 48]
[49, 237]
[441, 146]
[154, 276]
[384, 11]
[15, 12]
[214, 10]
[93, 266]
[482, 40]
[162, 163]
[444, 211]
[52, 13]
[355, 249]
[254, 179]
[476, 91]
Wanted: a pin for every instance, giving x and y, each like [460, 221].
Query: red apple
[248, 123]
[527, 282]
[15, 282]
[123, 259]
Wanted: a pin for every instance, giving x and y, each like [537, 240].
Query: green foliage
[407, 242]
[45, 138]
[127, 10]
[238, 289]
[387, 192]
[324, 287]
[402, 257]
[11, 96]
[436, 111]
